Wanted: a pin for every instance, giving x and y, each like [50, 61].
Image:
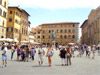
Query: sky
[51, 11]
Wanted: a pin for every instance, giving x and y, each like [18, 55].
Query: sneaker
[5, 65]
[2, 66]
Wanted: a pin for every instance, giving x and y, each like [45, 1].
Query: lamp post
[53, 39]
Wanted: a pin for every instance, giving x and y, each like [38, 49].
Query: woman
[49, 55]
[4, 56]
[12, 51]
[63, 56]
[93, 50]
[87, 51]
[27, 52]
[41, 53]
[18, 53]
[33, 53]
[69, 55]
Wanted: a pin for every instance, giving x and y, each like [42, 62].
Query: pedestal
[53, 44]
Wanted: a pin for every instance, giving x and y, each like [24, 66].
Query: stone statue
[53, 35]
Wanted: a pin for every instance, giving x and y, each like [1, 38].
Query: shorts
[40, 57]
[4, 57]
[32, 57]
[18, 54]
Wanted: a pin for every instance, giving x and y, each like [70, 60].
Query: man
[4, 56]
[41, 53]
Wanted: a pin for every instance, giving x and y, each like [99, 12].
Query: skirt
[4, 57]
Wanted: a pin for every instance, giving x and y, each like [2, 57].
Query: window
[65, 25]
[65, 36]
[65, 31]
[10, 12]
[43, 37]
[61, 36]
[52, 30]
[73, 36]
[43, 31]
[61, 25]
[5, 4]
[73, 25]
[3, 23]
[0, 2]
[57, 31]
[57, 25]
[69, 31]
[49, 31]
[73, 30]
[4, 14]
[38, 32]
[52, 26]
[0, 12]
[10, 19]
[69, 36]
[69, 25]
[38, 37]
[61, 31]
[49, 37]
[49, 26]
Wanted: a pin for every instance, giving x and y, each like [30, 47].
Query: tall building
[14, 23]
[92, 28]
[3, 17]
[65, 32]
[84, 38]
[24, 36]
[17, 24]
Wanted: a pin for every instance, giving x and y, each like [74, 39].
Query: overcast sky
[48, 11]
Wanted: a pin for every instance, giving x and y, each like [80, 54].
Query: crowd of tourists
[66, 52]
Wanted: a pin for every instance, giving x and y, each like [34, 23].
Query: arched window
[69, 31]
[0, 12]
[69, 36]
[43, 36]
[57, 31]
[49, 31]
[61, 36]
[65, 36]
[61, 31]
[5, 4]
[3, 23]
[73, 36]
[0, 2]
[65, 31]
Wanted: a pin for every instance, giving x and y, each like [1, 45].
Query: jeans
[12, 54]
[68, 60]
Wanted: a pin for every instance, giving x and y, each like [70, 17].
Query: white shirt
[5, 49]
[89, 47]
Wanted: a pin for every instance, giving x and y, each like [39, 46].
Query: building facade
[84, 38]
[14, 23]
[24, 36]
[66, 32]
[3, 17]
[93, 28]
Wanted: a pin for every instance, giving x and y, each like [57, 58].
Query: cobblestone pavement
[80, 66]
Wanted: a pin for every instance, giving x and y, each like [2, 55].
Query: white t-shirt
[41, 51]
[89, 47]
[5, 49]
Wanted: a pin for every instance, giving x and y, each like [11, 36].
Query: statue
[53, 35]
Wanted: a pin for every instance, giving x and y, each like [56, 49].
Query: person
[23, 53]
[49, 55]
[41, 53]
[4, 56]
[18, 53]
[63, 56]
[12, 51]
[93, 51]
[72, 50]
[89, 53]
[99, 50]
[27, 52]
[69, 55]
[33, 51]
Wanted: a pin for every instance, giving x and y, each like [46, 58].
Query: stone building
[65, 32]
[3, 17]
